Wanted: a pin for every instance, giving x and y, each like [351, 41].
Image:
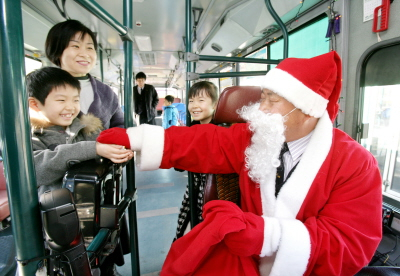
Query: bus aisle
[160, 196]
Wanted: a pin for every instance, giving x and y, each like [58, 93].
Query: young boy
[171, 114]
[58, 136]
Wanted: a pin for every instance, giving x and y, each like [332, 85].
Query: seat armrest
[379, 271]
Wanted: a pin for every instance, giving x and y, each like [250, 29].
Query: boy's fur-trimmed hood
[92, 123]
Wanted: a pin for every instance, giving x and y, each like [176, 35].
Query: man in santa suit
[324, 218]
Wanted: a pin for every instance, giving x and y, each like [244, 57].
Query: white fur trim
[294, 239]
[293, 193]
[148, 141]
[268, 199]
[296, 92]
[135, 135]
[293, 253]
[295, 190]
[272, 236]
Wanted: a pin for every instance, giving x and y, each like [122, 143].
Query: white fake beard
[262, 156]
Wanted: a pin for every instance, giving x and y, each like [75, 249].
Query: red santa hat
[312, 85]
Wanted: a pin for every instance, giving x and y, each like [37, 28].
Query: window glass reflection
[381, 113]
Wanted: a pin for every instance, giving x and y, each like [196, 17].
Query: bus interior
[177, 43]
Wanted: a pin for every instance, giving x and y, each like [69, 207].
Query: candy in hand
[115, 135]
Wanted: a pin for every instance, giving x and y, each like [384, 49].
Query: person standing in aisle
[145, 99]
[170, 114]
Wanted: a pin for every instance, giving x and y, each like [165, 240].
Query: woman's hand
[116, 153]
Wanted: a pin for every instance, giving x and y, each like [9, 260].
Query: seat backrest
[2, 177]
[226, 186]
[232, 99]
[160, 105]
[92, 186]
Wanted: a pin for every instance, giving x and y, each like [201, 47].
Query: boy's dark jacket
[54, 149]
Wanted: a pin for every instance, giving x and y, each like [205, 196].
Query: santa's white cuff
[272, 236]
[148, 142]
[294, 242]
[135, 135]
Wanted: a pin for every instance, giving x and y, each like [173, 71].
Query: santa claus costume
[326, 219]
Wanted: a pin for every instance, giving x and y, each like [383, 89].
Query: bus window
[253, 80]
[226, 82]
[32, 64]
[315, 43]
[380, 111]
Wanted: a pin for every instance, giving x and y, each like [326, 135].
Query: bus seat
[379, 271]
[226, 186]
[4, 207]
[95, 187]
[232, 99]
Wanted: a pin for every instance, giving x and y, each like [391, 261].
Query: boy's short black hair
[41, 82]
[208, 87]
[140, 75]
[60, 35]
[170, 98]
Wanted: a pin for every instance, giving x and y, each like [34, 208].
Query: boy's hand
[115, 153]
[115, 135]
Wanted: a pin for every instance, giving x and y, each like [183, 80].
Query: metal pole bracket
[191, 57]
[192, 76]
[128, 36]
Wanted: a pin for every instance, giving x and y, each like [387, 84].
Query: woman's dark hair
[208, 87]
[60, 35]
[41, 82]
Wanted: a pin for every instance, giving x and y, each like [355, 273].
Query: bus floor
[160, 195]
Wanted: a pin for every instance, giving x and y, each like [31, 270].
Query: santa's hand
[115, 136]
[248, 241]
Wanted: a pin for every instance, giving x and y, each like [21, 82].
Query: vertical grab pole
[189, 68]
[282, 26]
[15, 140]
[130, 168]
[101, 63]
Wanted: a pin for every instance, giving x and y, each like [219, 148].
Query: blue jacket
[170, 117]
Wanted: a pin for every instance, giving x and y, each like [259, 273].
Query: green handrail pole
[189, 68]
[239, 59]
[231, 74]
[282, 26]
[15, 139]
[101, 63]
[128, 115]
[102, 14]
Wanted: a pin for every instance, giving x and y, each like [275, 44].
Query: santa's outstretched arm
[185, 148]
[148, 139]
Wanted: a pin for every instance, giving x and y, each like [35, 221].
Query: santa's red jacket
[326, 219]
